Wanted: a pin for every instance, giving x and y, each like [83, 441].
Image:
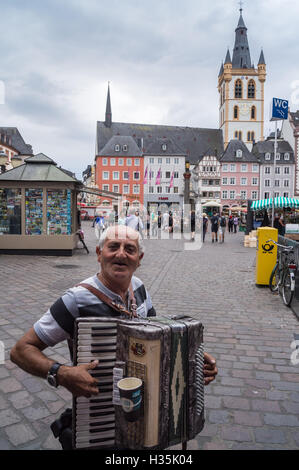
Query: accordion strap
[116, 306]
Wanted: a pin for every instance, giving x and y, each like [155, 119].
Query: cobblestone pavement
[253, 404]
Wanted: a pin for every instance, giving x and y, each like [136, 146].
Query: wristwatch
[52, 374]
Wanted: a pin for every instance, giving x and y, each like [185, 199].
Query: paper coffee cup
[130, 390]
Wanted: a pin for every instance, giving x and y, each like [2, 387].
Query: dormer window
[164, 147]
[239, 153]
[287, 156]
[125, 148]
[268, 156]
[117, 148]
[278, 156]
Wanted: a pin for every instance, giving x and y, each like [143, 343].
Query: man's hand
[210, 370]
[78, 380]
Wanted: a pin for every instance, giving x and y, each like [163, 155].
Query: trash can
[266, 254]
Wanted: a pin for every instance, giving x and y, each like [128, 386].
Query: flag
[171, 180]
[145, 177]
[158, 179]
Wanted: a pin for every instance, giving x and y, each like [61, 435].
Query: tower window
[251, 89]
[253, 112]
[240, 135]
[236, 112]
[238, 89]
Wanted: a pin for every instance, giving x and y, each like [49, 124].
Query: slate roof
[189, 141]
[241, 54]
[109, 148]
[38, 168]
[229, 154]
[259, 149]
[262, 59]
[17, 141]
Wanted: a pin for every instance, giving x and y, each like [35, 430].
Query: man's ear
[140, 258]
[98, 252]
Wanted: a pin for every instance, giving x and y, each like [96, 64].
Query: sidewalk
[254, 402]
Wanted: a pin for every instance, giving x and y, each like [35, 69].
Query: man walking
[222, 227]
[214, 226]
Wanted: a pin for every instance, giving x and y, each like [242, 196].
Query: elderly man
[120, 252]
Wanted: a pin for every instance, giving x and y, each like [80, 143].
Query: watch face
[52, 380]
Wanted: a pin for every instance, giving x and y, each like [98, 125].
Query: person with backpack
[214, 226]
[205, 222]
[222, 227]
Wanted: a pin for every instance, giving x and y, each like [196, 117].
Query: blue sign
[279, 109]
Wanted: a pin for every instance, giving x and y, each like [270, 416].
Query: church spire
[108, 114]
[241, 54]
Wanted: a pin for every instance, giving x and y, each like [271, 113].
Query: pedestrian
[236, 223]
[222, 227]
[230, 224]
[279, 224]
[192, 220]
[165, 221]
[99, 225]
[170, 222]
[214, 226]
[134, 221]
[205, 222]
[120, 252]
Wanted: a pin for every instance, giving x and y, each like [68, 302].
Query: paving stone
[20, 434]
[10, 385]
[270, 436]
[281, 420]
[35, 412]
[21, 399]
[248, 418]
[236, 433]
[33, 384]
[236, 403]
[266, 405]
[8, 417]
[219, 416]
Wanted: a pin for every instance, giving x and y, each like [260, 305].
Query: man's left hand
[210, 369]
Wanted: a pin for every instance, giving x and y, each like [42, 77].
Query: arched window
[248, 136]
[240, 135]
[253, 112]
[252, 136]
[236, 134]
[236, 112]
[251, 89]
[238, 89]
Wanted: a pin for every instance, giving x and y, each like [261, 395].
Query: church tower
[241, 92]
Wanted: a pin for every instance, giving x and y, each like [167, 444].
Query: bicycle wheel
[274, 279]
[287, 292]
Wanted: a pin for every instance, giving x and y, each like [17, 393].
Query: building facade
[206, 178]
[241, 92]
[281, 181]
[290, 132]
[240, 175]
[13, 149]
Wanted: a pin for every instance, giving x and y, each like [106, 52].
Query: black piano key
[103, 350]
[101, 423]
[102, 407]
[96, 414]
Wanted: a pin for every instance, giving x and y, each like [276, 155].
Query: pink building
[239, 175]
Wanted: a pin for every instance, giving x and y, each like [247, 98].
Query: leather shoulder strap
[104, 298]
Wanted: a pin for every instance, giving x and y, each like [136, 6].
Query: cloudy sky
[162, 58]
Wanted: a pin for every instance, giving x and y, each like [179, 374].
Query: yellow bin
[266, 254]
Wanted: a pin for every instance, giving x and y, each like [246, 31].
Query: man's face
[120, 255]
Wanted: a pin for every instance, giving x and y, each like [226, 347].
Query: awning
[279, 202]
[211, 204]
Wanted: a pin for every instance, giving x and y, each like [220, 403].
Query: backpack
[223, 222]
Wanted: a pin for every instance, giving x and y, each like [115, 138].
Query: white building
[241, 92]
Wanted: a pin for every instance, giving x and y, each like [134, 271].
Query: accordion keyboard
[95, 417]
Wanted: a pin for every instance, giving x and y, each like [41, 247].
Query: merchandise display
[34, 211]
[10, 211]
[59, 214]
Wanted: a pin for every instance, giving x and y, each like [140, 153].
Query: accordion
[167, 355]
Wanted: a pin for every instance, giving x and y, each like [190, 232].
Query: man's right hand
[78, 380]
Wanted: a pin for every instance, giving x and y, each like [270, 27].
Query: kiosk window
[59, 214]
[34, 211]
[10, 211]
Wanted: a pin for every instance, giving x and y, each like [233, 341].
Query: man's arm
[27, 354]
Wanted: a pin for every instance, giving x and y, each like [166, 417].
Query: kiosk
[38, 209]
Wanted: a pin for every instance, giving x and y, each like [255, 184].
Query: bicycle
[284, 273]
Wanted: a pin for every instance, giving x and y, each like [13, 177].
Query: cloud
[161, 57]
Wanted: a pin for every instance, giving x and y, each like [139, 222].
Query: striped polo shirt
[57, 324]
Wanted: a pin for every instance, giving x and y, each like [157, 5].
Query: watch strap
[54, 368]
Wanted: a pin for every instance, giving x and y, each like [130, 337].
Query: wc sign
[279, 109]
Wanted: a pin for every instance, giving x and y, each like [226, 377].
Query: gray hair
[128, 230]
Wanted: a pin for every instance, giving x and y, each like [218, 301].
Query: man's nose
[121, 251]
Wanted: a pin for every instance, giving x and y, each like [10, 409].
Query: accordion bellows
[167, 354]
